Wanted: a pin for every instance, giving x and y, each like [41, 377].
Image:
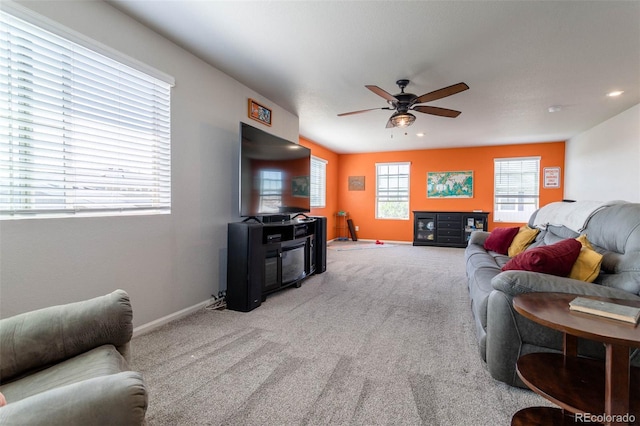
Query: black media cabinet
[267, 257]
[446, 229]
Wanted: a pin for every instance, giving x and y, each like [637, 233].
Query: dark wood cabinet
[448, 229]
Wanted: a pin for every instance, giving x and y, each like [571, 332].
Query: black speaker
[245, 266]
[321, 244]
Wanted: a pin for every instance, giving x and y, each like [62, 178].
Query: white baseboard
[146, 328]
[373, 241]
[387, 241]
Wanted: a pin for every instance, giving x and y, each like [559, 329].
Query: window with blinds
[392, 190]
[79, 132]
[517, 188]
[318, 184]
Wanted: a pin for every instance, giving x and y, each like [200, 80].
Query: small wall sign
[259, 112]
[552, 177]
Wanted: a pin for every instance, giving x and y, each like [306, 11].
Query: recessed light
[554, 108]
[420, 134]
[615, 93]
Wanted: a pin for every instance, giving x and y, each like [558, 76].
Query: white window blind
[392, 190]
[318, 186]
[79, 132]
[517, 188]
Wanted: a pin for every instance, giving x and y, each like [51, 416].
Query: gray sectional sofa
[503, 335]
[69, 365]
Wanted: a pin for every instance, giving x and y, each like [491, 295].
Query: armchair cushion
[116, 399]
[100, 361]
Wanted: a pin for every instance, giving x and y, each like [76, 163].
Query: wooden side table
[585, 389]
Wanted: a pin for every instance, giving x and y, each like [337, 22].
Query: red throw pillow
[500, 239]
[555, 259]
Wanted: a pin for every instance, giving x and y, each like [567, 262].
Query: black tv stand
[266, 257]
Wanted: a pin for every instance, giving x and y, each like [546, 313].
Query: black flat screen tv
[274, 174]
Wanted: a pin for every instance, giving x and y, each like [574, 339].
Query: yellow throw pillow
[587, 266]
[585, 243]
[522, 240]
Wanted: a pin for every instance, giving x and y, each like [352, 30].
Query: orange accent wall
[361, 204]
[332, 184]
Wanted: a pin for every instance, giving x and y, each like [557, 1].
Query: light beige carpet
[383, 337]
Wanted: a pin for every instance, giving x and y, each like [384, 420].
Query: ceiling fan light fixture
[402, 119]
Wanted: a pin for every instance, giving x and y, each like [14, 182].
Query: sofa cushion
[500, 239]
[101, 361]
[555, 259]
[522, 240]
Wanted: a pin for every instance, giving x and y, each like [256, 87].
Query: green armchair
[69, 364]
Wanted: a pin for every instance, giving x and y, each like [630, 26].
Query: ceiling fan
[403, 102]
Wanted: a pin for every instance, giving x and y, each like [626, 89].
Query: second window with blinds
[517, 188]
[318, 186]
[392, 190]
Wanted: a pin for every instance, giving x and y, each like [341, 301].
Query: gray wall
[166, 263]
[603, 163]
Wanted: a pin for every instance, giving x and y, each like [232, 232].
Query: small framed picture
[259, 112]
[356, 183]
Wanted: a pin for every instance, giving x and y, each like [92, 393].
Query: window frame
[527, 184]
[403, 195]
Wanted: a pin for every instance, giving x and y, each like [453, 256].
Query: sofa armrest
[117, 399]
[46, 336]
[518, 282]
[510, 335]
[478, 237]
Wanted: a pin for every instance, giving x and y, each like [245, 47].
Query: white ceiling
[519, 58]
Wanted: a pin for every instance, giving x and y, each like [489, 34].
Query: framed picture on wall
[450, 184]
[259, 112]
[356, 183]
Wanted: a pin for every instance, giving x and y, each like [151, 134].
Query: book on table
[605, 309]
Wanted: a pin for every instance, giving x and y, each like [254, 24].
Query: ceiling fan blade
[361, 111]
[442, 112]
[380, 92]
[358, 112]
[441, 93]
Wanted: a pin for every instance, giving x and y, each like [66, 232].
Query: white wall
[166, 263]
[603, 163]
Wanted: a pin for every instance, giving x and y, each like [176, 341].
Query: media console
[267, 257]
